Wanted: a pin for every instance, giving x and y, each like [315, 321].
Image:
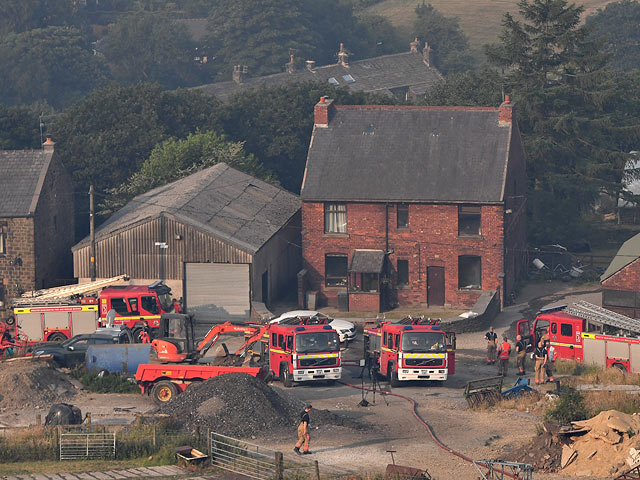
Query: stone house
[36, 220]
[410, 205]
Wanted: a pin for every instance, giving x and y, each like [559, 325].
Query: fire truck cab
[301, 353]
[410, 349]
[137, 305]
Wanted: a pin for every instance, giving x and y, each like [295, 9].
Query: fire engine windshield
[423, 342]
[165, 301]
[317, 342]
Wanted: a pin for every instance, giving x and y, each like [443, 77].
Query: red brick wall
[431, 240]
[364, 302]
[626, 279]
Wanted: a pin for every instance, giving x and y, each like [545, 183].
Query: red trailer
[164, 382]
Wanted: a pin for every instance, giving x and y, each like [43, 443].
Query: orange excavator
[177, 343]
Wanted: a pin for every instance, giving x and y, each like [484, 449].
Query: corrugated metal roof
[628, 253]
[408, 154]
[220, 200]
[379, 74]
[22, 174]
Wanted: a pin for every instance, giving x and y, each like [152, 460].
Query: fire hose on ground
[427, 427]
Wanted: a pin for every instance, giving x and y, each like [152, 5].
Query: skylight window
[348, 78]
[333, 81]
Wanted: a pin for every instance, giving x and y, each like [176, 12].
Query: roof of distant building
[385, 74]
[629, 252]
[409, 154]
[22, 174]
[219, 200]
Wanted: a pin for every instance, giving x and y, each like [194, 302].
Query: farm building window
[403, 215]
[335, 270]
[403, 272]
[3, 238]
[469, 220]
[335, 218]
[469, 272]
[370, 282]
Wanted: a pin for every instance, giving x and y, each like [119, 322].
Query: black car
[73, 351]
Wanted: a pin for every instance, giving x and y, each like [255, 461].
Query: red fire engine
[410, 349]
[57, 314]
[588, 333]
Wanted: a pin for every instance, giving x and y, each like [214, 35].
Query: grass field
[481, 20]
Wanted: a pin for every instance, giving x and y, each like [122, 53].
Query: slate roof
[408, 154]
[380, 74]
[22, 174]
[367, 261]
[629, 252]
[219, 200]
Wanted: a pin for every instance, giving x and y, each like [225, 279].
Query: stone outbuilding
[36, 221]
[410, 205]
[220, 238]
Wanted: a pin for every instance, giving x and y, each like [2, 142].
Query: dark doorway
[435, 285]
[265, 287]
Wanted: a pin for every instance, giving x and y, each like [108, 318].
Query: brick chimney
[48, 145]
[291, 67]
[427, 55]
[505, 111]
[343, 56]
[240, 73]
[311, 65]
[322, 112]
[413, 46]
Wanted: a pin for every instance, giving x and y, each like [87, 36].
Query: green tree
[55, 64]
[17, 16]
[575, 141]
[105, 139]
[617, 24]
[19, 128]
[480, 88]
[151, 47]
[449, 43]
[174, 159]
[276, 124]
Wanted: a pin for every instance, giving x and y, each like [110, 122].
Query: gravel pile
[240, 405]
[26, 383]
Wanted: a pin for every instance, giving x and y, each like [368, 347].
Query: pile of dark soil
[32, 383]
[240, 405]
[544, 452]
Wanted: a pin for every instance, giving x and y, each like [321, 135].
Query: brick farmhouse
[36, 220]
[621, 280]
[413, 206]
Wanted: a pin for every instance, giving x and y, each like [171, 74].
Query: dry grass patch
[597, 402]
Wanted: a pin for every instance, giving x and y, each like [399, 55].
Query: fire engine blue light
[327, 327]
[408, 327]
[299, 329]
[436, 327]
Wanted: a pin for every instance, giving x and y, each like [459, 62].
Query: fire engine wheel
[56, 337]
[11, 320]
[393, 375]
[285, 376]
[136, 334]
[620, 367]
[163, 392]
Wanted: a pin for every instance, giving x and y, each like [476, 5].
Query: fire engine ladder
[602, 316]
[59, 293]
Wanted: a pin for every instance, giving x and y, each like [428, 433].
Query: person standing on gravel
[492, 340]
[504, 351]
[540, 355]
[521, 351]
[303, 433]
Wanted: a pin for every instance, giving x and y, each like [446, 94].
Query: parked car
[72, 352]
[346, 330]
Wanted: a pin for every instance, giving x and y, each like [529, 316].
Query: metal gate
[244, 458]
[76, 446]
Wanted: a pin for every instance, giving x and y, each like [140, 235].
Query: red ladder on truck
[602, 316]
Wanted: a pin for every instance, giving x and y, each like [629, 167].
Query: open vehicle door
[451, 352]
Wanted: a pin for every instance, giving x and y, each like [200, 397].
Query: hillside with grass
[480, 19]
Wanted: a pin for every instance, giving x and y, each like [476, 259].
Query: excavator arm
[254, 336]
[214, 333]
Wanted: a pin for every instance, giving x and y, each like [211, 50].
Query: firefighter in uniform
[303, 432]
[540, 355]
[552, 355]
[521, 351]
[504, 350]
[492, 340]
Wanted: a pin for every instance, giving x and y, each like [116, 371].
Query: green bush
[570, 407]
[108, 383]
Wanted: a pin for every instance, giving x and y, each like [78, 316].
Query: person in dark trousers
[504, 351]
[492, 340]
[521, 352]
[540, 355]
[303, 433]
